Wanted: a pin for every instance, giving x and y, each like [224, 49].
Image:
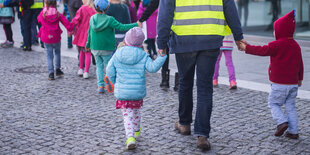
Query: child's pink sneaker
[233, 85]
[215, 83]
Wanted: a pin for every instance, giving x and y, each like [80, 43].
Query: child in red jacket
[285, 72]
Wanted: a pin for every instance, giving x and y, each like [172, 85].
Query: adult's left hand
[239, 44]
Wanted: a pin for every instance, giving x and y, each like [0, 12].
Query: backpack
[26, 4]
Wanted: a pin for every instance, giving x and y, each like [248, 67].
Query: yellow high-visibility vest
[37, 4]
[199, 17]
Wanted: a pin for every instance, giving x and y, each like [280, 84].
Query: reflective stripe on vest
[199, 17]
[38, 4]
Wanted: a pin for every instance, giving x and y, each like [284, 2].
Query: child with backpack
[50, 34]
[81, 23]
[126, 70]
[101, 39]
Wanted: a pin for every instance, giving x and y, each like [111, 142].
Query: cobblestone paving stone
[67, 116]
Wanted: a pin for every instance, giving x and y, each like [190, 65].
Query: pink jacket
[81, 23]
[50, 31]
[150, 23]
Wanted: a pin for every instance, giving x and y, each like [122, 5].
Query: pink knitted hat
[134, 37]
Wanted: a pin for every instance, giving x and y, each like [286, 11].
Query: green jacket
[101, 34]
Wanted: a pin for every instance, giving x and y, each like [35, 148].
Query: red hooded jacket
[286, 66]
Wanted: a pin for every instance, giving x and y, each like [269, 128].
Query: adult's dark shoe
[51, 76]
[281, 128]
[182, 129]
[59, 72]
[203, 143]
[27, 48]
[291, 136]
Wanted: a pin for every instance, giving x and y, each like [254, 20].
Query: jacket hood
[129, 55]
[99, 22]
[51, 15]
[284, 27]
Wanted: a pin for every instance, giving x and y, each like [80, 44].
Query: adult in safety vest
[29, 16]
[195, 30]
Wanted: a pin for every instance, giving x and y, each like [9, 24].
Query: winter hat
[284, 27]
[50, 0]
[134, 37]
[102, 4]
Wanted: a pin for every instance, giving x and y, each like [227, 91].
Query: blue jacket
[183, 44]
[126, 70]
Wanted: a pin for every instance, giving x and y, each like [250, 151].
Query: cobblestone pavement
[67, 116]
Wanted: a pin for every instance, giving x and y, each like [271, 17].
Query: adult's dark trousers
[8, 32]
[243, 4]
[275, 10]
[72, 11]
[27, 21]
[165, 66]
[35, 25]
[203, 62]
[151, 48]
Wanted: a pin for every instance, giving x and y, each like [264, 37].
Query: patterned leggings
[131, 121]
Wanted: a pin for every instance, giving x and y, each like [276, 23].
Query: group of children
[94, 33]
[125, 67]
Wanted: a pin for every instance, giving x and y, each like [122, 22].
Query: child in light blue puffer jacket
[126, 70]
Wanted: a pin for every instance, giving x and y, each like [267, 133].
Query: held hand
[299, 83]
[70, 34]
[162, 52]
[139, 24]
[241, 44]
[1, 6]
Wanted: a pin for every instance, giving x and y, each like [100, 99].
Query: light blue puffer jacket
[126, 70]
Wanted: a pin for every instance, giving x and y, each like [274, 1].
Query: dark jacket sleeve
[165, 19]
[75, 3]
[232, 19]
[149, 10]
[10, 3]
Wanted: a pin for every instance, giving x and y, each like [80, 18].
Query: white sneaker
[85, 75]
[80, 72]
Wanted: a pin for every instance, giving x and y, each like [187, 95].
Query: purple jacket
[50, 31]
[150, 23]
[133, 14]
